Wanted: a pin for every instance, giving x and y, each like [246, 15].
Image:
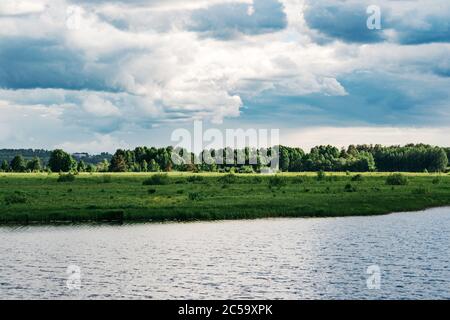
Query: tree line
[355, 158]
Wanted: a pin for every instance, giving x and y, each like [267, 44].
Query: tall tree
[5, 166]
[18, 164]
[118, 163]
[81, 166]
[61, 161]
[34, 165]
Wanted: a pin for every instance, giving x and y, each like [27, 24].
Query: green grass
[41, 198]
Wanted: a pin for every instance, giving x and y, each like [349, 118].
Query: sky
[97, 75]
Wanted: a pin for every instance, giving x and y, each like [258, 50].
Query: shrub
[396, 179]
[15, 198]
[349, 188]
[157, 179]
[70, 177]
[246, 169]
[358, 177]
[151, 191]
[195, 178]
[180, 191]
[321, 175]
[229, 178]
[195, 196]
[277, 182]
[436, 180]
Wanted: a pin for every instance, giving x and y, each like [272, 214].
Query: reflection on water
[259, 259]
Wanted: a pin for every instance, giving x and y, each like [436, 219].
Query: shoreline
[100, 223]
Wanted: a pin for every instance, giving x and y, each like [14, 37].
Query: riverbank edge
[123, 220]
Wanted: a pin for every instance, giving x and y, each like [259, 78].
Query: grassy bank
[26, 198]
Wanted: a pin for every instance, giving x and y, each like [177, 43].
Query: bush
[277, 182]
[195, 196]
[15, 198]
[358, 177]
[321, 175]
[70, 177]
[349, 188]
[229, 178]
[436, 180]
[157, 179]
[195, 179]
[246, 169]
[151, 191]
[396, 179]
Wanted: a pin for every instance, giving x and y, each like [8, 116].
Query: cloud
[345, 21]
[107, 143]
[100, 107]
[230, 20]
[20, 7]
[404, 22]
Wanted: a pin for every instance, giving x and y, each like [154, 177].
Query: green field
[40, 198]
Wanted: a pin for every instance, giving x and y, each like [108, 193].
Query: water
[258, 259]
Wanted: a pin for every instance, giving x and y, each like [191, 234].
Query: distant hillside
[44, 155]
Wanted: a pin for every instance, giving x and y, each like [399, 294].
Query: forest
[355, 158]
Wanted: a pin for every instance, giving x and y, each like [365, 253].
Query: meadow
[128, 197]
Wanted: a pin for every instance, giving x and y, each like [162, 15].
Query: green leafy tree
[61, 161]
[81, 166]
[34, 165]
[18, 164]
[102, 166]
[5, 166]
[118, 163]
[153, 166]
[144, 166]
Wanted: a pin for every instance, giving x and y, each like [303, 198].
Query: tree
[18, 164]
[61, 161]
[81, 166]
[153, 166]
[34, 165]
[103, 166]
[284, 158]
[5, 166]
[144, 166]
[118, 163]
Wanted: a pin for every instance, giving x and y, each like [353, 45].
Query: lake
[404, 256]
